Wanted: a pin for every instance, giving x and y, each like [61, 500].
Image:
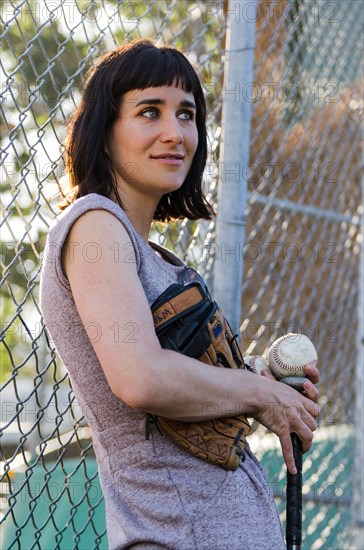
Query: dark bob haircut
[137, 65]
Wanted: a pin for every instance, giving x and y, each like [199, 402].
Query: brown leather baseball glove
[188, 321]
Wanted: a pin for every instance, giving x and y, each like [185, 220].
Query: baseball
[256, 363]
[289, 354]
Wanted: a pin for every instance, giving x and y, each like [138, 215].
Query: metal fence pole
[358, 478]
[234, 159]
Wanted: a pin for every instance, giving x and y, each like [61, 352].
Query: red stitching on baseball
[281, 363]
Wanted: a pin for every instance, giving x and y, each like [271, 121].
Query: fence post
[234, 158]
[358, 478]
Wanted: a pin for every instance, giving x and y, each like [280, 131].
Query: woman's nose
[172, 131]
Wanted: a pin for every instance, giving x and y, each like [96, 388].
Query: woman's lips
[170, 159]
[173, 161]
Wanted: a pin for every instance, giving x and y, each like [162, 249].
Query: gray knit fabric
[156, 494]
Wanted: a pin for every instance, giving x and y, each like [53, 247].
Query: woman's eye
[150, 113]
[187, 115]
[153, 112]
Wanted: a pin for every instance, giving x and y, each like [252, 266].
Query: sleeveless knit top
[156, 494]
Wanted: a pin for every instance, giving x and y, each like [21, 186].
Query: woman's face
[154, 140]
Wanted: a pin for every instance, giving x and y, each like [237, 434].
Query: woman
[136, 152]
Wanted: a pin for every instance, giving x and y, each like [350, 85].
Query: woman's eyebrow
[159, 101]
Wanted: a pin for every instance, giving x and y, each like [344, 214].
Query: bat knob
[295, 382]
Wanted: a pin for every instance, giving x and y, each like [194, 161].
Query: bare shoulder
[97, 237]
[108, 294]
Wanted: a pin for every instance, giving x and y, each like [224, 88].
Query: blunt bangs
[146, 66]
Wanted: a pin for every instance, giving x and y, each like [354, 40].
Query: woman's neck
[140, 211]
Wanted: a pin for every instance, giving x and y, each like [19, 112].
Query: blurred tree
[46, 50]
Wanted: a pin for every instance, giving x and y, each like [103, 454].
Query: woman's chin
[171, 187]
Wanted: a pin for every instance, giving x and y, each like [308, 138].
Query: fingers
[301, 422]
[311, 391]
[312, 373]
[309, 387]
[308, 419]
[300, 419]
[303, 425]
[306, 437]
[305, 433]
[310, 404]
[287, 411]
[287, 450]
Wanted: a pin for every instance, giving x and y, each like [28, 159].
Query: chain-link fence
[300, 256]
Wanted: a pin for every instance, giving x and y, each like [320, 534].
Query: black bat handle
[294, 499]
[294, 483]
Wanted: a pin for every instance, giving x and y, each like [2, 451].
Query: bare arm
[108, 292]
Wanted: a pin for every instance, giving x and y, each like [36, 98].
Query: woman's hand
[309, 387]
[283, 410]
